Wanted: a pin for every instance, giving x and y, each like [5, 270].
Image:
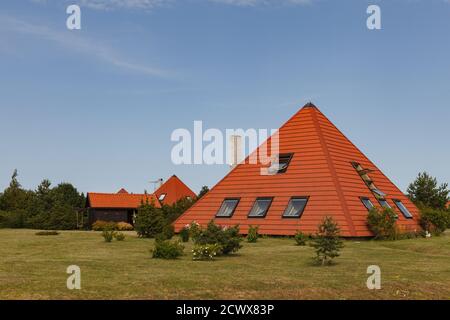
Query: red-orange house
[318, 172]
[122, 206]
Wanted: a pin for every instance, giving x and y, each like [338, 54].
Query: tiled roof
[174, 189]
[320, 169]
[119, 200]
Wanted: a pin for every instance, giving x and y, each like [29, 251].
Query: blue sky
[96, 106]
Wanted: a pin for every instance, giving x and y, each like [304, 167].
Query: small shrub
[327, 242]
[300, 238]
[150, 221]
[167, 233]
[166, 249]
[228, 238]
[184, 234]
[119, 236]
[108, 235]
[205, 251]
[101, 225]
[383, 223]
[434, 221]
[194, 230]
[124, 226]
[253, 234]
[47, 233]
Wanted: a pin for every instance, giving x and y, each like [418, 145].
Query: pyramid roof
[325, 169]
[173, 190]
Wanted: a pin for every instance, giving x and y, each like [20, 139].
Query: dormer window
[280, 163]
[162, 196]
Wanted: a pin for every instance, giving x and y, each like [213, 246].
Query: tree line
[61, 207]
[47, 207]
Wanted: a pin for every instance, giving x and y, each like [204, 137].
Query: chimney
[235, 149]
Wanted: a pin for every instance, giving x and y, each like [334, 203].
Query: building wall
[116, 215]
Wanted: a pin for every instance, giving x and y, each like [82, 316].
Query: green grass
[34, 267]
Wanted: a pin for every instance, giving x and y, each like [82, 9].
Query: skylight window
[162, 196]
[227, 208]
[364, 174]
[403, 209]
[367, 203]
[260, 208]
[295, 207]
[281, 163]
[384, 204]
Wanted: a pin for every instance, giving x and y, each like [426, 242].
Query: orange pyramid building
[173, 190]
[318, 172]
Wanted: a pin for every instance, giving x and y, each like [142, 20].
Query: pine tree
[150, 221]
[327, 242]
[202, 192]
[424, 191]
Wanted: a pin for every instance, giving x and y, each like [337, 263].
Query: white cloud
[115, 4]
[152, 4]
[125, 4]
[78, 44]
[253, 3]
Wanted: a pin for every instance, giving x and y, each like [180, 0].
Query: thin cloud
[254, 3]
[124, 4]
[152, 4]
[76, 43]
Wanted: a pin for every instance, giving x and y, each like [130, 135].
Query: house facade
[122, 206]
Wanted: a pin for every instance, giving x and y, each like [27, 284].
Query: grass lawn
[34, 267]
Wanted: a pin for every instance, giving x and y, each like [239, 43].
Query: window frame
[396, 202]
[384, 200]
[301, 212]
[232, 212]
[163, 195]
[288, 155]
[265, 212]
[368, 199]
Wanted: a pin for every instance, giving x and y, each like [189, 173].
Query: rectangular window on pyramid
[384, 203]
[227, 208]
[281, 163]
[295, 207]
[367, 203]
[260, 207]
[364, 174]
[403, 209]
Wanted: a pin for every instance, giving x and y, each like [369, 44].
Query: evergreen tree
[327, 242]
[202, 192]
[425, 192]
[177, 209]
[150, 221]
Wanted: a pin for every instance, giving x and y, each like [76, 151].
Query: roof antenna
[157, 183]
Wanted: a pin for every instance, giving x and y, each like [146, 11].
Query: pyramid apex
[309, 105]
